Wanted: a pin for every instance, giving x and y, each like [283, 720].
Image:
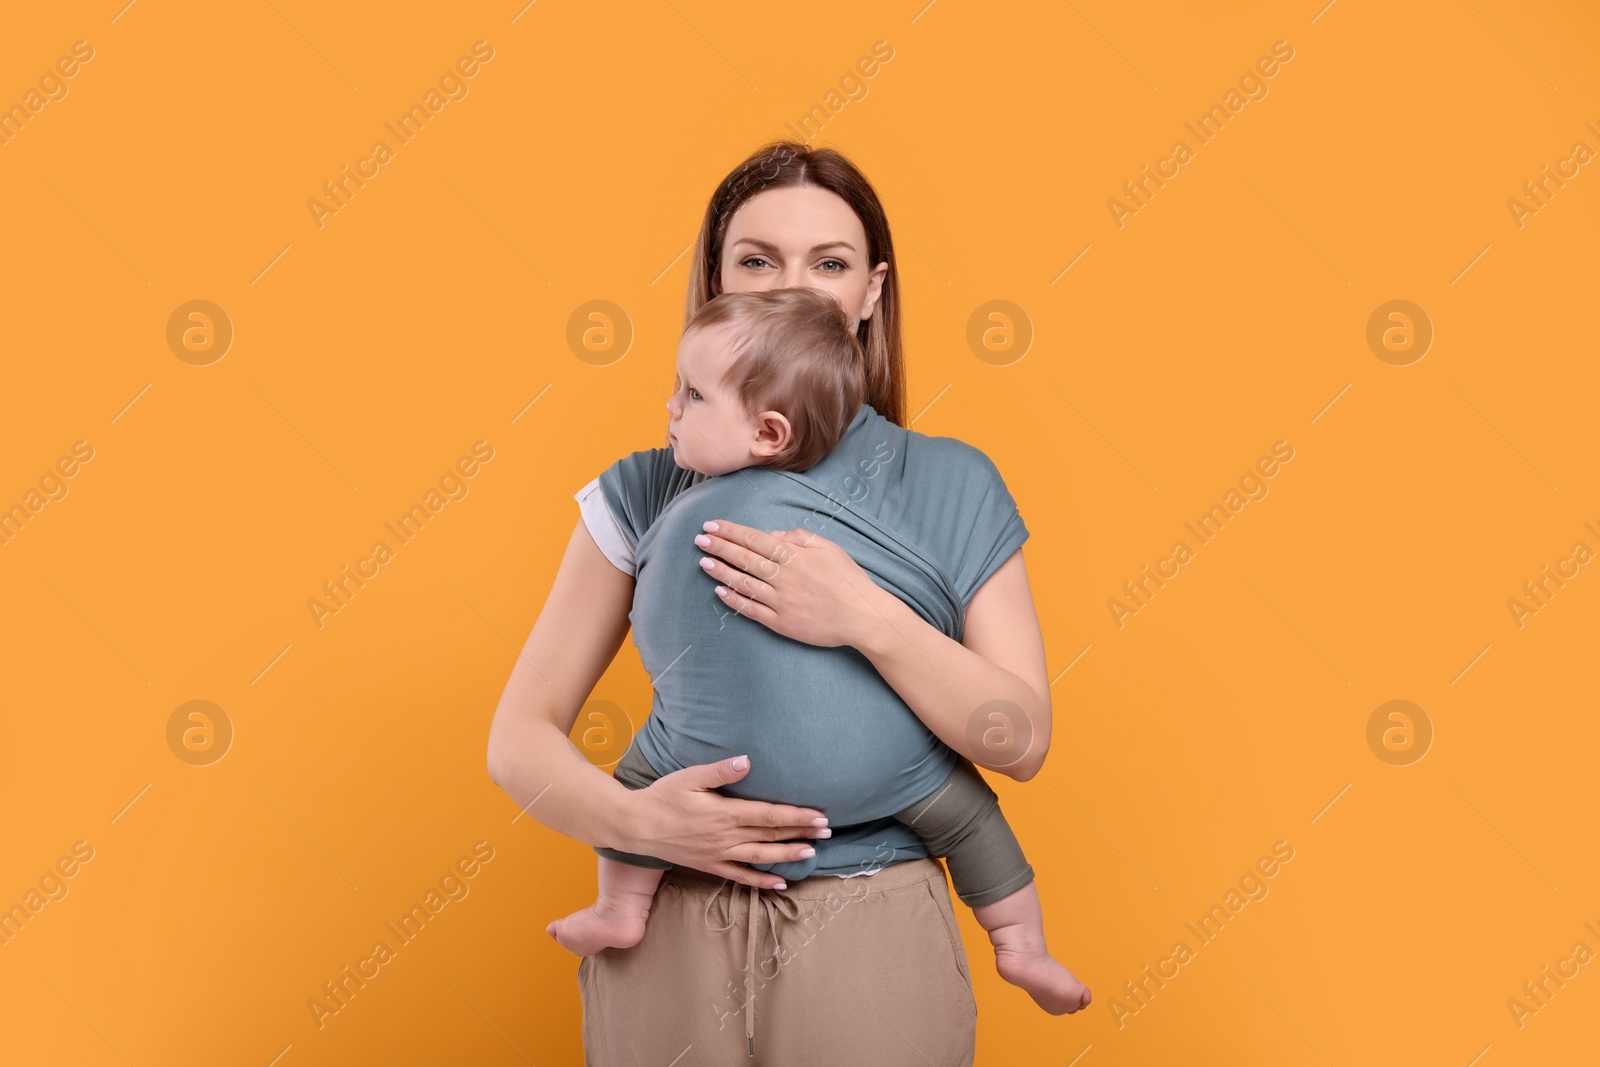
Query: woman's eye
[835, 265]
[752, 259]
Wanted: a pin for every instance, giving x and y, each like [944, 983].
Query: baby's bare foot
[599, 926]
[1015, 926]
[1052, 986]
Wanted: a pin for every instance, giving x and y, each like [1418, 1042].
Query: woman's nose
[792, 277]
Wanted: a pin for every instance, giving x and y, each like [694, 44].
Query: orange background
[1229, 313]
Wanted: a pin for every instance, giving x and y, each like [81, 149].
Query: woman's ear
[773, 434]
[874, 289]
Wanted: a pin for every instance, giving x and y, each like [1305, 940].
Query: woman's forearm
[549, 779]
[981, 708]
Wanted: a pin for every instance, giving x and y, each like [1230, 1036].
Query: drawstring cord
[750, 974]
[773, 904]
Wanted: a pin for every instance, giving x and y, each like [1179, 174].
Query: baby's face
[710, 430]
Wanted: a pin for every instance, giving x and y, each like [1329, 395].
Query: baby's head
[766, 379]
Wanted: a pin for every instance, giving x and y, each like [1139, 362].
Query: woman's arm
[678, 818]
[987, 696]
[991, 692]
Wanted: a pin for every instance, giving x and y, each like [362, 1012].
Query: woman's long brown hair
[789, 163]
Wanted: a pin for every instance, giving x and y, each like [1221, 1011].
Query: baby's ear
[773, 433]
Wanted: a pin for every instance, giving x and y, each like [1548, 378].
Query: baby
[773, 379]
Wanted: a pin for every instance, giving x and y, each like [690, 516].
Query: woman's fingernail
[702, 540]
[781, 885]
[819, 822]
[824, 833]
[706, 563]
[721, 592]
[710, 526]
[807, 852]
[740, 763]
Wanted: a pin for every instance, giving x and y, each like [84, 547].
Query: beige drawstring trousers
[832, 970]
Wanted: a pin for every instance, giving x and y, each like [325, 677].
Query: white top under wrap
[603, 527]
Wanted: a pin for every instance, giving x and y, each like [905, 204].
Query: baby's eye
[694, 394]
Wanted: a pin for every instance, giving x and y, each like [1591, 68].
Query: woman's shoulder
[652, 467]
[951, 457]
[639, 486]
[913, 452]
[955, 495]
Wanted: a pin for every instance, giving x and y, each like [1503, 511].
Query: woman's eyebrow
[768, 246]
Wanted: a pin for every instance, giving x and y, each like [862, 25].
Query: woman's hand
[794, 582]
[681, 820]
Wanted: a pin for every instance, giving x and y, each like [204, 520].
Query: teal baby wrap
[928, 518]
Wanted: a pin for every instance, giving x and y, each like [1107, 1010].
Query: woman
[789, 216]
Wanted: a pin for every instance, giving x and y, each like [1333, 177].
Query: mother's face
[801, 235]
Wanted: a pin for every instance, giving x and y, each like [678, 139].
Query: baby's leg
[961, 821]
[1015, 925]
[627, 884]
[617, 917]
